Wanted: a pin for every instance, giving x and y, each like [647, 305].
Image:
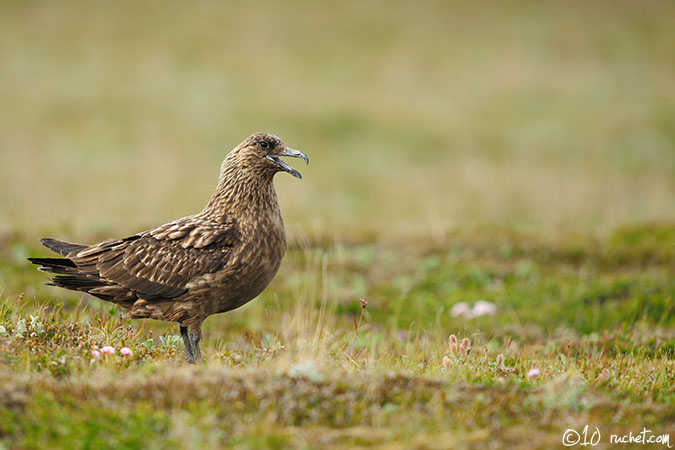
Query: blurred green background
[418, 116]
[517, 152]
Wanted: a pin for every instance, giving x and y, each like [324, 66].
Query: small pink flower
[96, 354]
[108, 350]
[447, 362]
[126, 351]
[533, 373]
[466, 343]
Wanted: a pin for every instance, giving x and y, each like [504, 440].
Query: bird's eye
[264, 144]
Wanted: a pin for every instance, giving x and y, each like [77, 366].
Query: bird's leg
[194, 343]
[188, 345]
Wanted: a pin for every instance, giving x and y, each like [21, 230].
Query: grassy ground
[519, 153]
[292, 369]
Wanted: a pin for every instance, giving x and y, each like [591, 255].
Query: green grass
[292, 369]
[519, 153]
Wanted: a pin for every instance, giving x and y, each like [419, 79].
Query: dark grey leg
[188, 345]
[194, 345]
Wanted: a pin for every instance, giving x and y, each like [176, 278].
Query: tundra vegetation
[518, 155]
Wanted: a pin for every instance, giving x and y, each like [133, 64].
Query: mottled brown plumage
[199, 265]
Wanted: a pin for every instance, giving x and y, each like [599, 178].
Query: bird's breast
[264, 246]
[253, 263]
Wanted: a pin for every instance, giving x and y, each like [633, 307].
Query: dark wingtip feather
[77, 283]
[52, 262]
[61, 247]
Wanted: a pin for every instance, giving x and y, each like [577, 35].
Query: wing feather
[158, 264]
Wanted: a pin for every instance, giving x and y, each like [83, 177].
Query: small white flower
[126, 351]
[483, 308]
[460, 309]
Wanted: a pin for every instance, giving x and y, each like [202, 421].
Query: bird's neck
[243, 196]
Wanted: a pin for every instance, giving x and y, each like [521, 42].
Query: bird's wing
[158, 264]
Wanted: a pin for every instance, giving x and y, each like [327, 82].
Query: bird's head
[261, 154]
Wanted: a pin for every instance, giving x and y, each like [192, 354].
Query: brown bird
[208, 263]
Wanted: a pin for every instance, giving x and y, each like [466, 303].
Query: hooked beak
[282, 164]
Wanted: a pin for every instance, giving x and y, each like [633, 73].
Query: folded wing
[153, 265]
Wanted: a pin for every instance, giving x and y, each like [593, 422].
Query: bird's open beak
[288, 152]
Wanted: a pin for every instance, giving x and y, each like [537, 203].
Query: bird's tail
[62, 266]
[68, 274]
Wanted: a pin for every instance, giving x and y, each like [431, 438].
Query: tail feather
[80, 278]
[68, 275]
